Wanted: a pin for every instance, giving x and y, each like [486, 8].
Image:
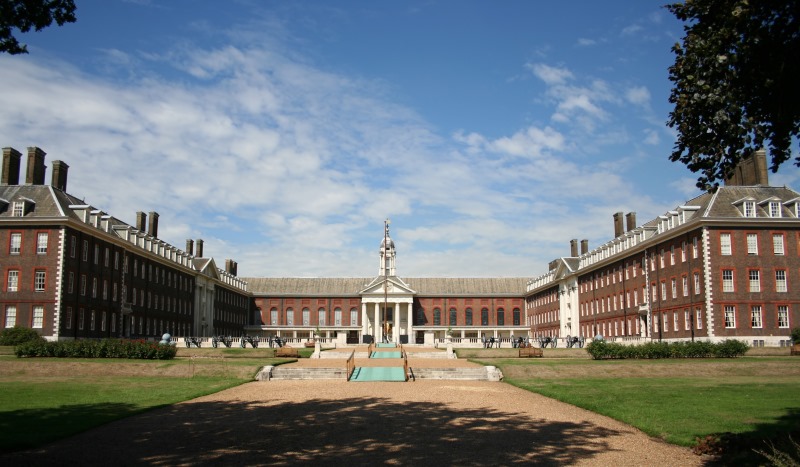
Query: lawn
[740, 402]
[42, 400]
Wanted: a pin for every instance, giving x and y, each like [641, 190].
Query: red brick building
[70, 270]
[722, 265]
[406, 310]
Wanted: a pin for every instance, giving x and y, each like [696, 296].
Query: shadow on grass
[350, 431]
[28, 428]
[739, 448]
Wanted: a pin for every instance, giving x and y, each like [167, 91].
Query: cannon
[193, 341]
[224, 340]
[544, 341]
[576, 341]
[253, 341]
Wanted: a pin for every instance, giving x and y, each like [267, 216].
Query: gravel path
[339, 423]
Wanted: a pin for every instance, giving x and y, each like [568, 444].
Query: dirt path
[340, 423]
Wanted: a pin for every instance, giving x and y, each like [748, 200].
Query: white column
[410, 330]
[377, 327]
[364, 318]
[396, 323]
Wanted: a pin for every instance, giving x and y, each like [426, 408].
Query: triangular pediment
[206, 267]
[565, 268]
[393, 286]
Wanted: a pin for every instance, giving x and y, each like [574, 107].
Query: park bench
[530, 352]
[287, 352]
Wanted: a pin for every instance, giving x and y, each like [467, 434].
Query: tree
[27, 14]
[735, 84]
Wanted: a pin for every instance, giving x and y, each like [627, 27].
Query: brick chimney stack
[573, 248]
[152, 230]
[11, 165]
[618, 229]
[584, 246]
[141, 221]
[36, 167]
[199, 248]
[59, 177]
[630, 219]
[751, 171]
[190, 246]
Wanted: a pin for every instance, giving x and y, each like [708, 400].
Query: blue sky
[284, 133]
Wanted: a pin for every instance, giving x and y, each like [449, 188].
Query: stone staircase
[282, 372]
[486, 373]
[273, 373]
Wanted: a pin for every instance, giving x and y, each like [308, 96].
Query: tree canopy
[30, 14]
[735, 81]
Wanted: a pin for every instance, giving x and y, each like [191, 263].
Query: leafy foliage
[106, 348]
[603, 350]
[735, 84]
[30, 14]
[782, 458]
[796, 336]
[18, 335]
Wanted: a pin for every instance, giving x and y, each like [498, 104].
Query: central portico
[387, 303]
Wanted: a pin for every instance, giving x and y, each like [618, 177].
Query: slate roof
[300, 286]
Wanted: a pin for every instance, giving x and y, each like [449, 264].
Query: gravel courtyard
[339, 423]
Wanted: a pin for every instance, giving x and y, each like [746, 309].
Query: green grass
[38, 410]
[741, 402]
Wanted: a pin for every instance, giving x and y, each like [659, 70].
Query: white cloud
[638, 95]
[550, 75]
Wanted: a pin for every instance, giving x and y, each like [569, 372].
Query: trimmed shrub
[106, 348]
[796, 336]
[18, 335]
[603, 350]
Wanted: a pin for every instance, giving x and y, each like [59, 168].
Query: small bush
[18, 335]
[603, 350]
[796, 336]
[106, 348]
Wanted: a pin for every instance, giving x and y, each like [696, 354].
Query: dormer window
[749, 209]
[19, 209]
[775, 209]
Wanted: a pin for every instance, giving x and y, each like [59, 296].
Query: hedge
[602, 350]
[89, 348]
[18, 335]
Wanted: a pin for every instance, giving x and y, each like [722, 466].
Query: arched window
[273, 316]
[353, 317]
[453, 317]
[516, 316]
[485, 316]
[289, 317]
[420, 318]
[437, 317]
[321, 317]
[468, 316]
[337, 316]
[501, 317]
[306, 316]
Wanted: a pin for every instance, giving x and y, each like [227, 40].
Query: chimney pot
[630, 218]
[11, 165]
[59, 177]
[36, 167]
[141, 221]
[618, 230]
[153, 228]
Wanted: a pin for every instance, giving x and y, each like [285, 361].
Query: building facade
[72, 271]
[390, 308]
[722, 265]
